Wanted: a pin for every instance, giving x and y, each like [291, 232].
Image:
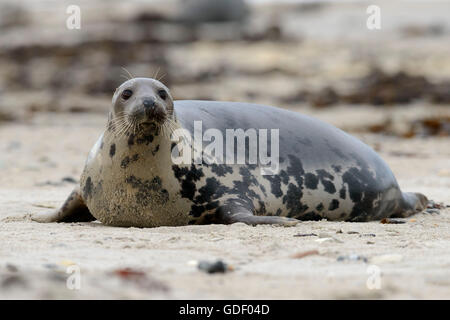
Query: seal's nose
[149, 102]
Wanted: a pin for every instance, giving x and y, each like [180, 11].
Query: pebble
[305, 235]
[12, 268]
[352, 257]
[213, 267]
[391, 221]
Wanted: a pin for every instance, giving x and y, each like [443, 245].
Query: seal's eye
[126, 94]
[162, 94]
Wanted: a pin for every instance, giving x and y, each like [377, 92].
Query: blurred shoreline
[311, 55]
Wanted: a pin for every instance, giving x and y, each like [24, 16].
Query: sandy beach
[37, 168]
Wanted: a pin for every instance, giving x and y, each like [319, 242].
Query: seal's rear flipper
[229, 214]
[73, 210]
[412, 203]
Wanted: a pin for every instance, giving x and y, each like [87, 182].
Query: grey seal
[130, 178]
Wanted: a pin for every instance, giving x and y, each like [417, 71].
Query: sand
[352, 260]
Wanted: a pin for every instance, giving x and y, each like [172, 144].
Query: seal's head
[142, 103]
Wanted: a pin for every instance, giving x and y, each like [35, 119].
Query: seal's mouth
[149, 125]
[155, 114]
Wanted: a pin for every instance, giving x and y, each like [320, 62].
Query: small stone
[305, 235]
[391, 221]
[213, 267]
[352, 257]
[12, 268]
[69, 180]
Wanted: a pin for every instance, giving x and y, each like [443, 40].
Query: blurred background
[315, 57]
[302, 55]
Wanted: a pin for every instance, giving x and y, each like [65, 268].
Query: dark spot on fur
[212, 190]
[342, 192]
[112, 150]
[87, 189]
[155, 151]
[275, 185]
[242, 188]
[319, 207]
[263, 189]
[326, 180]
[292, 201]
[334, 205]
[284, 177]
[127, 160]
[149, 192]
[145, 139]
[294, 194]
[221, 169]
[188, 177]
[311, 181]
[354, 180]
[295, 170]
[131, 140]
[262, 208]
[362, 190]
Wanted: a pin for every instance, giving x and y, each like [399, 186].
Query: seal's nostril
[148, 103]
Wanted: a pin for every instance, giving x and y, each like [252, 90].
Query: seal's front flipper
[73, 210]
[229, 214]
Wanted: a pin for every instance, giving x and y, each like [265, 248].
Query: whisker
[156, 74]
[124, 76]
[160, 78]
[129, 73]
